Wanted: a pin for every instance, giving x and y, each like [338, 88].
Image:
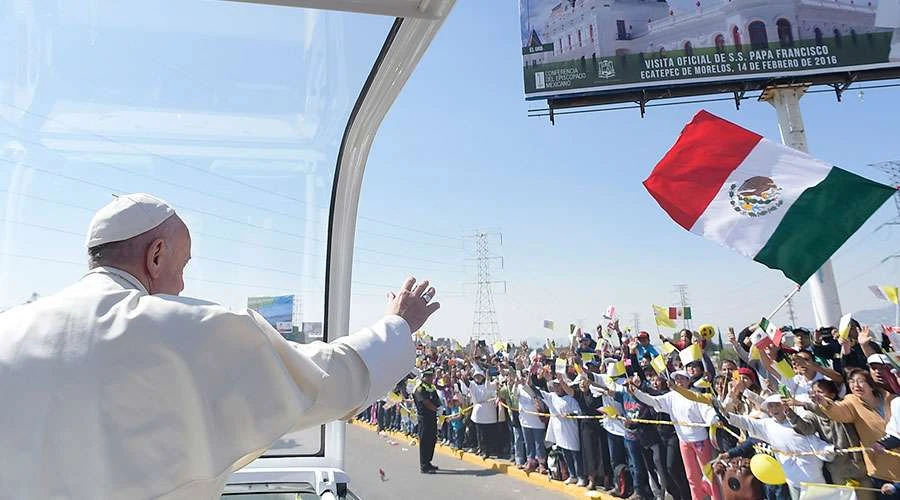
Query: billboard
[313, 331]
[278, 311]
[572, 48]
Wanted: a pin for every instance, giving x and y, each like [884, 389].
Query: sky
[235, 116]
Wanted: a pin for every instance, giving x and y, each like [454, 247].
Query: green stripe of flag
[820, 221]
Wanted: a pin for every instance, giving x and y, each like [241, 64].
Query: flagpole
[658, 334]
[783, 302]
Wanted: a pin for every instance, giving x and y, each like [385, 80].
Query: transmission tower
[892, 168]
[636, 321]
[484, 323]
[682, 290]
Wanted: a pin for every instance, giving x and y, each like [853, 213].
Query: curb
[502, 467]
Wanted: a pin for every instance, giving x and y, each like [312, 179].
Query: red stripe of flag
[673, 313]
[687, 179]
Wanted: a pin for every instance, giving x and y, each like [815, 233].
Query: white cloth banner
[826, 493]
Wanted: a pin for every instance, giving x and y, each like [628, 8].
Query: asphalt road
[457, 480]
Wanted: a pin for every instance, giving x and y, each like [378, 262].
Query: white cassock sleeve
[355, 371]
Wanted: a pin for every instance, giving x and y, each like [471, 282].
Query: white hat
[681, 373]
[126, 217]
[879, 358]
[774, 398]
[476, 370]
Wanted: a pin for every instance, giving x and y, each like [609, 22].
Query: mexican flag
[772, 203]
[679, 313]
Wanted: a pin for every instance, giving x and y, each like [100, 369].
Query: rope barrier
[789, 454]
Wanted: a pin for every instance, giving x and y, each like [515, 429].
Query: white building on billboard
[603, 28]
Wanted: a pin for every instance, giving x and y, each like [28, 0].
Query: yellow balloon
[767, 469]
[707, 331]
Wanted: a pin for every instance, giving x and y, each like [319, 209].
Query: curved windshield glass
[232, 112]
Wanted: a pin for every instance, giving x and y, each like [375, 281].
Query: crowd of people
[683, 419]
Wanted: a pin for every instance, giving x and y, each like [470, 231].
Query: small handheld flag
[659, 364]
[690, 354]
[885, 292]
[560, 365]
[844, 326]
[668, 348]
[661, 314]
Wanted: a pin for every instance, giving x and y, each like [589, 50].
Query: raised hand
[413, 303]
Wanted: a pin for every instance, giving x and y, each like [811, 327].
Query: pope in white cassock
[118, 388]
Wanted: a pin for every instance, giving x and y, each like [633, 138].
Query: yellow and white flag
[885, 292]
[661, 314]
[785, 369]
[844, 326]
[690, 354]
[668, 348]
[659, 364]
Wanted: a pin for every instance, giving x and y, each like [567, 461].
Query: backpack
[556, 465]
[622, 481]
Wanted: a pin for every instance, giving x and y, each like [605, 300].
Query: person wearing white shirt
[564, 431]
[116, 387]
[532, 426]
[780, 434]
[484, 410]
[614, 427]
[696, 449]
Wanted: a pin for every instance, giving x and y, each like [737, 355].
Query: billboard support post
[822, 286]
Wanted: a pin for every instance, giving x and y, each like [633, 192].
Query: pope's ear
[154, 256]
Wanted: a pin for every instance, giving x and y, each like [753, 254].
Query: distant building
[602, 28]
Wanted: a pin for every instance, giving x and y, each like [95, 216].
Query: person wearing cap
[586, 343]
[533, 427]
[644, 347]
[484, 410]
[117, 387]
[778, 432]
[696, 449]
[880, 368]
[845, 466]
[427, 404]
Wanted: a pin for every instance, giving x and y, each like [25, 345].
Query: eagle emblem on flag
[755, 197]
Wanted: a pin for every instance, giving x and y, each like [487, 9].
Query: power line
[257, 245]
[199, 169]
[202, 258]
[113, 190]
[189, 277]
